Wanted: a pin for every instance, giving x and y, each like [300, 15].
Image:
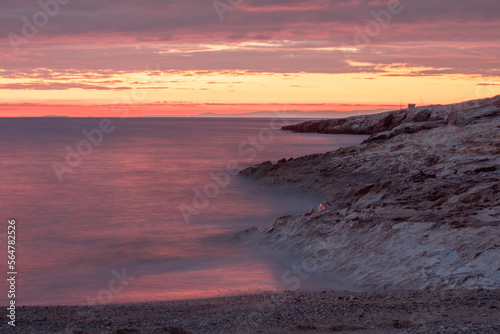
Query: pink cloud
[100, 35]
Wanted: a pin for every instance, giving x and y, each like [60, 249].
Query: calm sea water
[112, 231]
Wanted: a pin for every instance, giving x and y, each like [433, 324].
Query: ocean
[144, 209]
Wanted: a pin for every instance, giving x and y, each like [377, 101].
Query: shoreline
[416, 206]
[408, 311]
[389, 225]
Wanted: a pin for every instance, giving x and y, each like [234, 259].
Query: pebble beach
[454, 311]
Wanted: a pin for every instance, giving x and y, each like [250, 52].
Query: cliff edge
[415, 206]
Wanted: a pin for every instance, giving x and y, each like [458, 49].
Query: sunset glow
[169, 58]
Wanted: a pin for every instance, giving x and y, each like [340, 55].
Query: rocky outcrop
[391, 123]
[414, 207]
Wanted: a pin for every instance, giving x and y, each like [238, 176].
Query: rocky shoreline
[416, 206]
[391, 123]
[411, 217]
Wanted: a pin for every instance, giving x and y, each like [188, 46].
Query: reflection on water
[118, 210]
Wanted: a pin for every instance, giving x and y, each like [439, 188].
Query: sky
[160, 57]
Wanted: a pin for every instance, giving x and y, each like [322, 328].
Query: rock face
[416, 206]
[391, 123]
